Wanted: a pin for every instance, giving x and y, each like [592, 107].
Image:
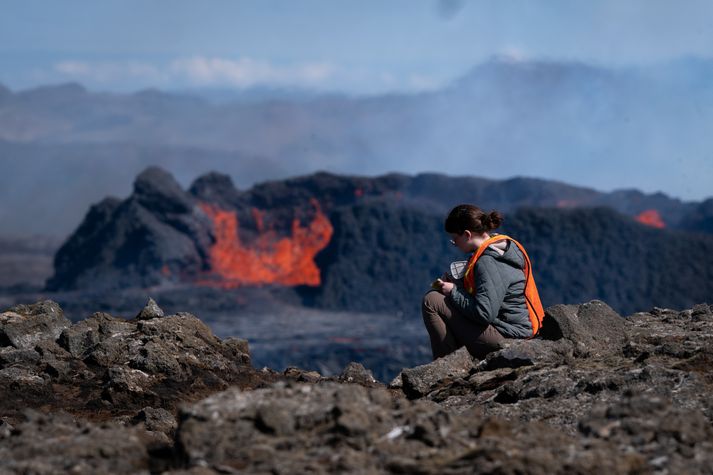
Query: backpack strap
[532, 296]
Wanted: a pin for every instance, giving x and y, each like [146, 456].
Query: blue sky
[350, 46]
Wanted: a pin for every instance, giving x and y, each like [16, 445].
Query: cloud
[205, 71]
[246, 72]
[199, 71]
[513, 54]
[421, 82]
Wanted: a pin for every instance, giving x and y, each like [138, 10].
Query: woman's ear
[468, 235]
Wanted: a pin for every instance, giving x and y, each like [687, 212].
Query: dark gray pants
[449, 329]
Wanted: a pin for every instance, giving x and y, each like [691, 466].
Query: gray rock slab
[357, 373]
[419, 381]
[22, 326]
[593, 327]
[517, 353]
[151, 310]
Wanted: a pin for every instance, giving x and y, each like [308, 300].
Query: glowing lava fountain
[652, 218]
[271, 259]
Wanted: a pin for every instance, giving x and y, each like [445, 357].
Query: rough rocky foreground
[161, 394]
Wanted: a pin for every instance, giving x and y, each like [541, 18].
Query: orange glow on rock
[271, 259]
[259, 218]
[343, 339]
[652, 218]
[566, 204]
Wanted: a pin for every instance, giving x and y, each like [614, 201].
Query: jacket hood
[507, 252]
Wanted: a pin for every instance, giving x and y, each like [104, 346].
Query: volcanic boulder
[23, 326]
[419, 381]
[593, 327]
[106, 362]
[357, 373]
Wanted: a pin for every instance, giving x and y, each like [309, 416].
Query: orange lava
[271, 259]
[652, 218]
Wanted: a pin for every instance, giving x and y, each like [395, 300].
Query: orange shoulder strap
[532, 296]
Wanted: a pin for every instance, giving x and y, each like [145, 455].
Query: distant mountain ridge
[643, 128]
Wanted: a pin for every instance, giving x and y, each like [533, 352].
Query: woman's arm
[490, 288]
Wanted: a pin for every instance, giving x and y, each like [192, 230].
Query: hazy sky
[373, 47]
[359, 46]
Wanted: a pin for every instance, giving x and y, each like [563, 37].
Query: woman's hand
[444, 287]
[447, 288]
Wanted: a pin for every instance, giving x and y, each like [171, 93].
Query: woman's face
[462, 241]
[468, 241]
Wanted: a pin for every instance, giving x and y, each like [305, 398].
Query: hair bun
[467, 217]
[494, 220]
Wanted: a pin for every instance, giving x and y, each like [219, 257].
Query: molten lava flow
[652, 218]
[271, 260]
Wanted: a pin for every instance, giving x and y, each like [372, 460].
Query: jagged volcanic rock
[592, 327]
[106, 363]
[213, 234]
[357, 373]
[643, 385]
[45, 444]
[419, 381]
[637, 401]
[23, 326]
[341, 429]
[159, 230]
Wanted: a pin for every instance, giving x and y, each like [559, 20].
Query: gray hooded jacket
[499, 298]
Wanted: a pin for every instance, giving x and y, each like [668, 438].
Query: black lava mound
[383, 259]
[387, 242]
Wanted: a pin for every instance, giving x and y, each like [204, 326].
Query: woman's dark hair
[473, 219]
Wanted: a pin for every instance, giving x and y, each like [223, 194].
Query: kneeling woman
[497, 299]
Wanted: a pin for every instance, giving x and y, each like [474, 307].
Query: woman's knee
[432, 301]
[432, 310]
